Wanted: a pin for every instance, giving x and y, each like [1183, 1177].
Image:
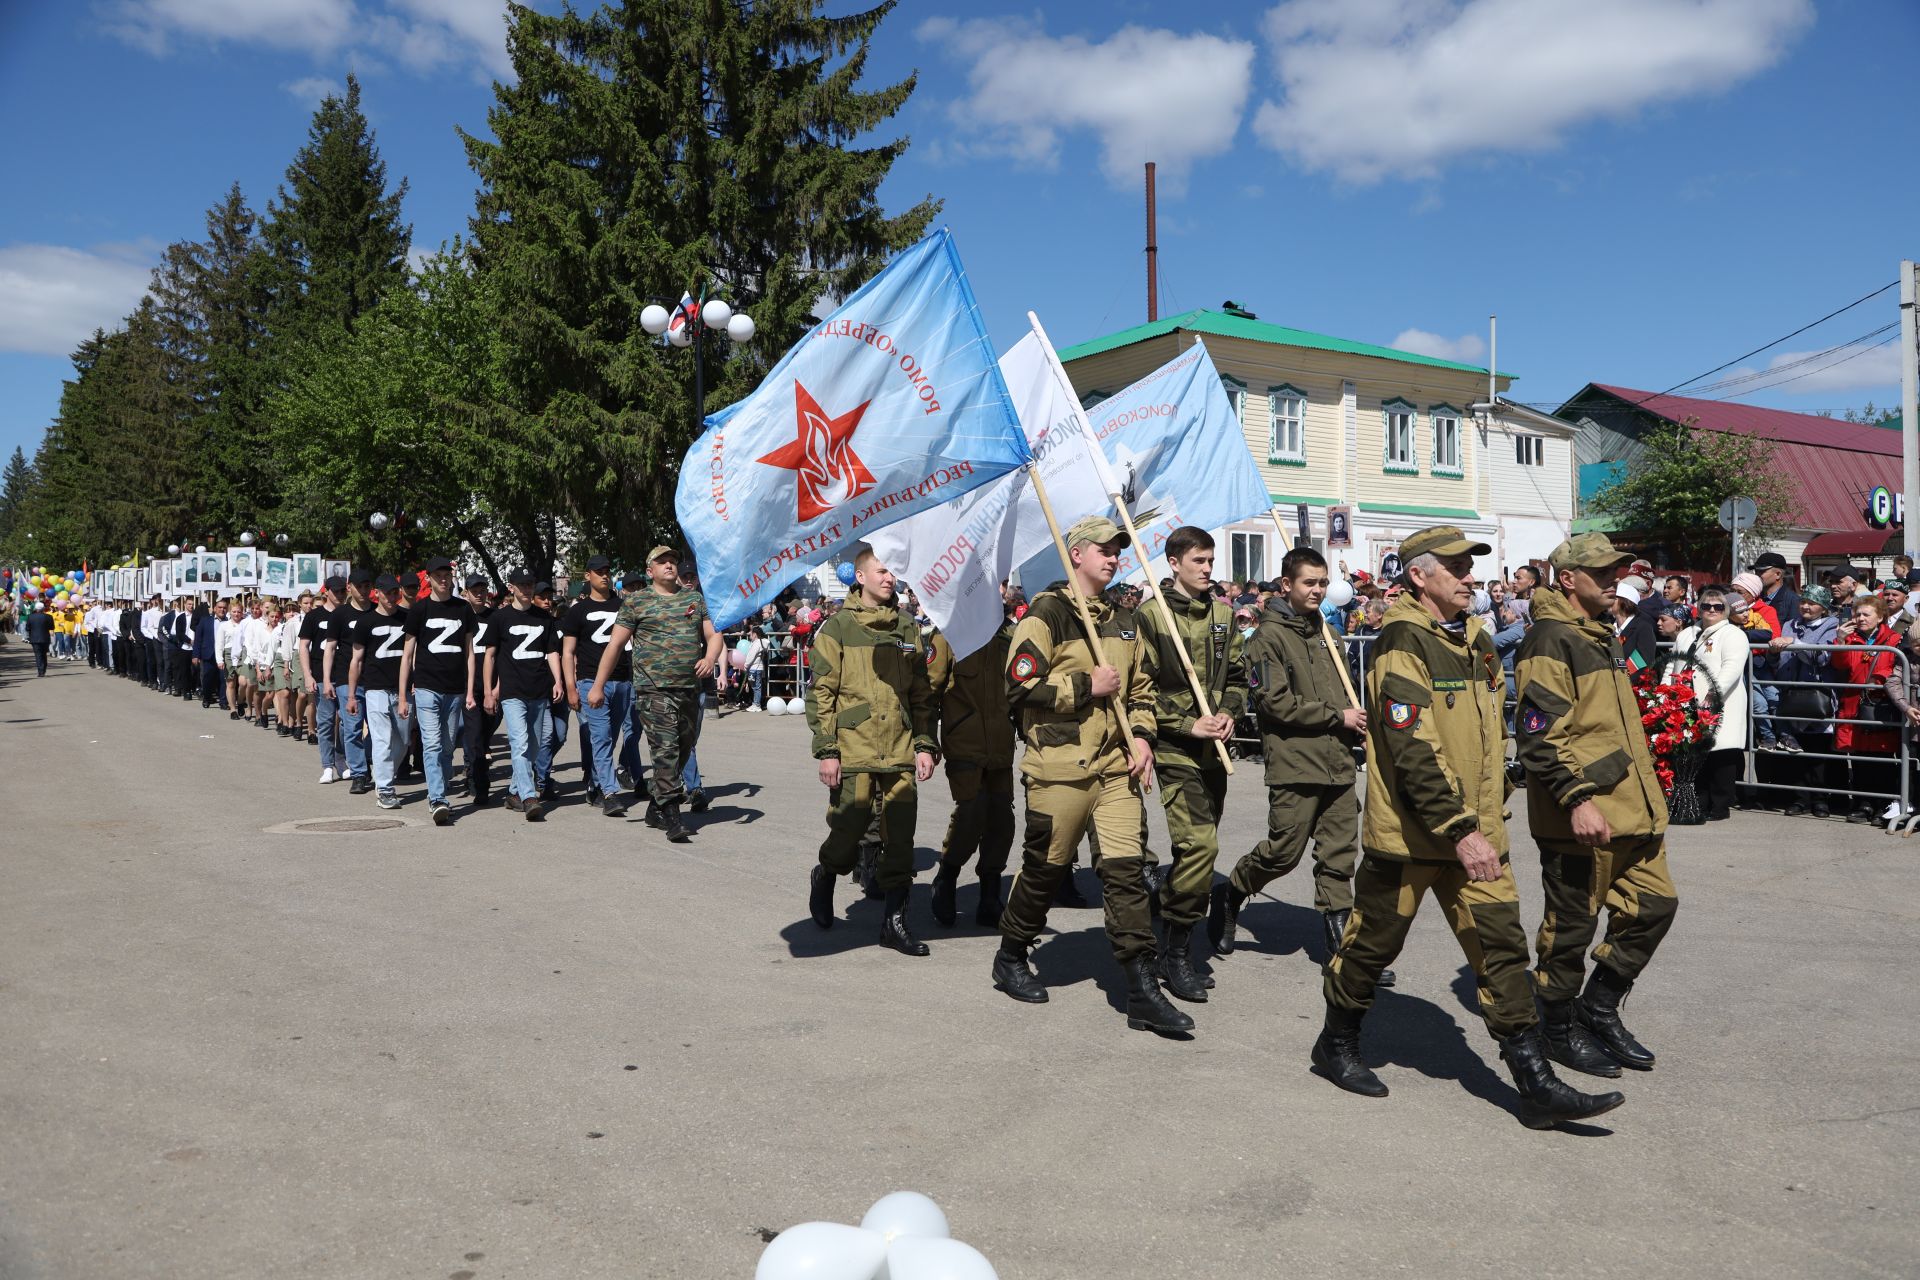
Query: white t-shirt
[289, 640]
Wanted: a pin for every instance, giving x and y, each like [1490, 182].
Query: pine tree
[334, 238]
[651, 147]
[16, 486]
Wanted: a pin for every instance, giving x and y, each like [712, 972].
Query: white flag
[955, 557]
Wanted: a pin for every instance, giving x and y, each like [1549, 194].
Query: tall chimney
[1153, 254]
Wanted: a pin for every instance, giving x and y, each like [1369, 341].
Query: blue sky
[1642, 190]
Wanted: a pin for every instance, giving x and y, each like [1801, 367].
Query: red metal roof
[1831, 464]
[1865, 542]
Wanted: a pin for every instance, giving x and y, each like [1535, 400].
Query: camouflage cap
[1588, 551]
[1441, 540]
[663, 553]
[1098, 529]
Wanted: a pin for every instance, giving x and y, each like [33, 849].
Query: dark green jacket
[1578, 727]
[1215, 646]
[1298, 698]
[870, 705]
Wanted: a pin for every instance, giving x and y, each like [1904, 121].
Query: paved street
[572, 1050]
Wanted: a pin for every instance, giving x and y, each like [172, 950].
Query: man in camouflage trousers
[674, 648]
[1596, 810]
[872, 715]
[976, 741]
[1193, 777]
[1435, 822]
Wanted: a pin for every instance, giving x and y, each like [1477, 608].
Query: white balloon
[740, 328]
[682, 337]
[776, 706]
[822, 1251]
[653, 318]
[906, 1213]
[716, 314]
[920, 1258]
[1340, 593]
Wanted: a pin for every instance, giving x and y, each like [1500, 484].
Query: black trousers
[183, 673]
[479, 731]
[1718, 777]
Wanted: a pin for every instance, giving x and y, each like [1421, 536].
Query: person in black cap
[585, 630]
[523, 675]
[436, 678]
[373, 678]
[481, 722]
[339, 659]
[315, 630]
[1778, 592]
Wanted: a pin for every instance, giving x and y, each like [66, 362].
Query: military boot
[1013, 973]
[866, 870]
[670, 823]
[1572, 1045]
[1545, 1099]
[820, 899]
[1148, 1008]
[1598, 1010]
[987, 911]
[1337, 1054]
[893, 926]
[1223, 917]
[1335, 925]
[945, 882]
[1176, 966]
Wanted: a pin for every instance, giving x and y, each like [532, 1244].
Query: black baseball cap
[598, 564]
[541, 588]
[477, 582]
[1771, 560]
[335, 584]
[386, 582]
[436, 563]
[361, 577]
[519, 578]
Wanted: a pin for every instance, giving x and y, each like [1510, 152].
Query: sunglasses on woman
[1708, 607]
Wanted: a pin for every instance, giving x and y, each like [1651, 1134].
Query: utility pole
[1909, 412]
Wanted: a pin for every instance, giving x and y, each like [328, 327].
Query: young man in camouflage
[1308, 729]
[1089, 732]
[871, 710]
[1435, 822]
[1596, 810]
[674, 648]
[1193, 777]
[976, 740]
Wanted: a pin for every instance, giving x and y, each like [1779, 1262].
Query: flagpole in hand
[1334, 649]
[1133, 534]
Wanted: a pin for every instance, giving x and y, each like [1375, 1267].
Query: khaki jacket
[1297, 700]
[1436, 737]
[1578, 726]
[870, 705]
[1070, 735]
[975, 728]
[1215, 646]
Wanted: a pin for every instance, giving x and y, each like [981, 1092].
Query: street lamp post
[714, 314]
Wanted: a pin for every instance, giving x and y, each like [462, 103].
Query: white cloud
[423, 35]
[53, 296]
[1468, 348]
[1849, 370]
[1397, 88]
[1145, 93]
[310, 91]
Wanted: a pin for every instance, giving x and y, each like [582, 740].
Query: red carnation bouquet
[1675, 718]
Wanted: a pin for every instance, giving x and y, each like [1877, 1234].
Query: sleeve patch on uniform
[1533, 720]
[1402, 715]
[1027, 664]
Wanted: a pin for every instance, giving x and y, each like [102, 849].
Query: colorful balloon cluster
[49, 588]
[903, 1237]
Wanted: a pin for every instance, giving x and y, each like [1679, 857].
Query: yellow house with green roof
[1401, 440]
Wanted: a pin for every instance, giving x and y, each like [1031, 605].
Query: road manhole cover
[336, 826]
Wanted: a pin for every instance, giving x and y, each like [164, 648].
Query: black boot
[1545, 1099]
[987, 912]
[820, 899]
[1014, 975]
[945, 881]
[1176, 966]
[1572, 1045]
[1148, 1008]
[671, 824]
[1598, 1010]
[1337, 1054]
[893, 926]
[1223, 917]
[1335, 925]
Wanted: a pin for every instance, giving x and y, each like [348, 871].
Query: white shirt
[260, 642]
[290, 639]
[150, 624]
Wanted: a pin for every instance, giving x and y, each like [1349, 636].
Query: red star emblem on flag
[826, 470]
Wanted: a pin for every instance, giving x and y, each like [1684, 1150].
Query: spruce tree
[16, 484]
[651, 147]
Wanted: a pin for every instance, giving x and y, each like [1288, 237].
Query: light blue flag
[892, 405]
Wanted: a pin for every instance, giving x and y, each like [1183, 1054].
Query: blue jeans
[350, 741]
[597, 731]
[326, 714]
[382, 713]
[760, 687]
[690, 773]
[1768, 696]
[441, 716]
[529, 721]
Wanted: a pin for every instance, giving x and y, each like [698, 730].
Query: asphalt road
[570, 1049]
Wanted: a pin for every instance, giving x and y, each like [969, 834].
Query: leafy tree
[1673, 490]
[651, 147]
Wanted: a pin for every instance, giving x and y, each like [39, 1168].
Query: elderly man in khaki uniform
[1089, 731]
[1435, 823]
[1595, 808]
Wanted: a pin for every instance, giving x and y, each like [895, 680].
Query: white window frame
[1529, 451]
[1284, 452]
[1446, 413]
[1389, 410]
[1239, 547]
[1236, 396]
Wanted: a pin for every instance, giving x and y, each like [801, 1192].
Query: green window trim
[1294, 500]
[1237, 393]
[1436, 513]
[1456, 470]
[1277, 456]
[1409, 465]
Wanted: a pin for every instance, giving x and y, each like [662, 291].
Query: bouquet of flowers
[1676, 722]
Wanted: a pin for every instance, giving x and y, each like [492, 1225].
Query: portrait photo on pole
[243, 567]
[306, 572]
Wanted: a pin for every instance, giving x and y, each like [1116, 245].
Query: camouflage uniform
[667, 642]
[976, 737]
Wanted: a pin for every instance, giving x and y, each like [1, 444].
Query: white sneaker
[326, 776]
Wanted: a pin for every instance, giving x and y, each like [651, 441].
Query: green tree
[16, 487]
[1673, 490]
[651, 147]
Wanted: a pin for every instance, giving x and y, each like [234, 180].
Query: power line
[1776, 342]
[1822, 369]
[1772, 370]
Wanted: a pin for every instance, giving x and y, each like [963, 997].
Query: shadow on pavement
[1279, 928]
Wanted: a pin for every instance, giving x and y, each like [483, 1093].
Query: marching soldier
[1087, 760]
[872, 715]
[1193, 777]
[1596, 810]
[976, 740]
[1434, 822]
[1308, 729]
